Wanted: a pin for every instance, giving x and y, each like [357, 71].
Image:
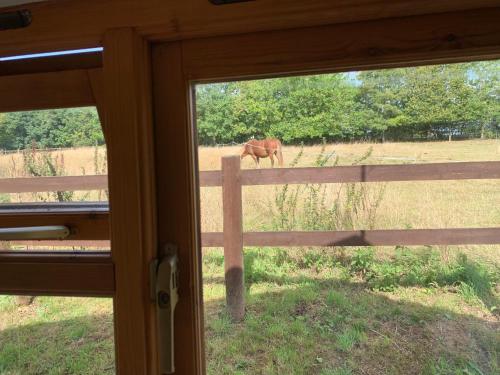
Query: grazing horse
[262, 149]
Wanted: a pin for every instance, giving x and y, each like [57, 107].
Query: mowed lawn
[337, 311]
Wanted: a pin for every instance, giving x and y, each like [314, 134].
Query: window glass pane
[56, 335]
[52, 160]
[349, 309]
[65, 144]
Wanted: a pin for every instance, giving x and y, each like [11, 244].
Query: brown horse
[262, 149]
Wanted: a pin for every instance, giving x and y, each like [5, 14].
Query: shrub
[43, 164]
[362, 260]
[425, 268]
[349, 337]
[319, 207]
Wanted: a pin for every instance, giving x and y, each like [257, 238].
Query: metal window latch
[164, 284]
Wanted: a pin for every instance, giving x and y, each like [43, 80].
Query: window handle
[164, 292]
[50, 232]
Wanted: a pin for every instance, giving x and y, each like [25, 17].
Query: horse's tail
[279, 154]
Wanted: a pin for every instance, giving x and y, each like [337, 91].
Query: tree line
[58, 128]
[422, 103]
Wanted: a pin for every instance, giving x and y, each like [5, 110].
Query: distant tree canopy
[50, 129]
[430, 102]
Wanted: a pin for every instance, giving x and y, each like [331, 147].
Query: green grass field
[316, 311]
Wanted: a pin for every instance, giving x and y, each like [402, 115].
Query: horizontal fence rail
[47, 184]
[384, 237]
[388, 237]
[89, 223]
[360, 173]
[311, 175]
[86, 216]
[380, 237]
[373, 173]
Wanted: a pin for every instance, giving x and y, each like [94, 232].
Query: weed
[323, 207]
[317, 260]
[344, 370]
[362, 260]
[101, 168]
[286, 202]
[43, 164]
[473, 280]
[349, 337]
[336, 299]
[446, 367]
[468, 293]
[222, 325]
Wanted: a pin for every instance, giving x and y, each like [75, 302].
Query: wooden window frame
[148, 71]
[178, 66]
[45, 83]
[120, 89]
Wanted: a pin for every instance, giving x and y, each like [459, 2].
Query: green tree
[485, 79]
[432, 101]
[50, 128]
[380, 101]
[296, 109]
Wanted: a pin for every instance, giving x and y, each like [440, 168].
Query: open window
[327, 201]
[143, 87]
[292, 292]
[54, 216]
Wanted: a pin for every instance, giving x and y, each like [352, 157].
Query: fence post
[233, 237]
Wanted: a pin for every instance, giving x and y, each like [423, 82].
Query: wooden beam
[392, 237]
[408, 237]
[414, 40]
[91, 225]
[63, 89]
[82, 61]
[96, 81]
[210, 178]
[129, 136]
[82, 23]
[233, 237]
[60, 183]
[178, 199]
[358, 173]
[373, 173]
[212, 239]
[63, 274]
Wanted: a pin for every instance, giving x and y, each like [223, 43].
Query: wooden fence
[231, 178]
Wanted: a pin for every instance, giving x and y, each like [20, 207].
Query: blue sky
[35, 55]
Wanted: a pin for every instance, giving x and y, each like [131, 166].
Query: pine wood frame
[280, 39]
[415, 40]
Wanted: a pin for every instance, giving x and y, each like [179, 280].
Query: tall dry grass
[70, 162]
[439, 204]
[428, 204]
